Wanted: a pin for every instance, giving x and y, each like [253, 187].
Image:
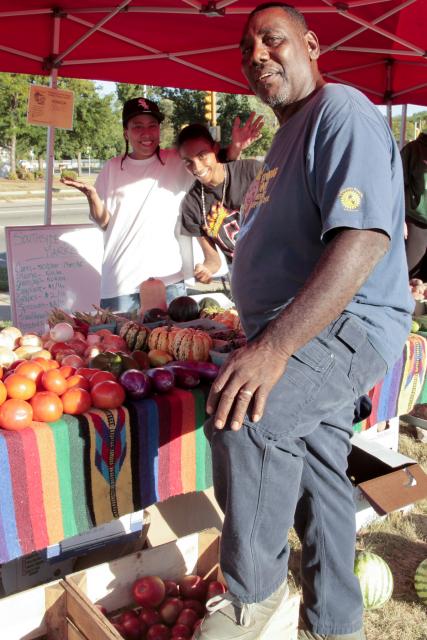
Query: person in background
[414, 160]
[136, 200]
[321, 287]
[210, 211]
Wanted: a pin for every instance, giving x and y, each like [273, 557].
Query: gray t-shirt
[334, 164]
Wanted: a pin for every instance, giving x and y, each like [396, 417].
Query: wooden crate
[42, 611]
[109, 584]
[35, 613]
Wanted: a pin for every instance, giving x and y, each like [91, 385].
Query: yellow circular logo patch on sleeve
[350, 198]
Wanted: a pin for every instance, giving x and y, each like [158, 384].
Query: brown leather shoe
[303, 634]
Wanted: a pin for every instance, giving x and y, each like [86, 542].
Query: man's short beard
[279, 100]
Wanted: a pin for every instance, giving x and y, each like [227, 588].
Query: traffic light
[210, 107]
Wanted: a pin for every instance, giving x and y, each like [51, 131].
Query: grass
[37, 185]
[401, 540]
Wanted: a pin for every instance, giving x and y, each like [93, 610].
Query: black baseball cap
[140, 106]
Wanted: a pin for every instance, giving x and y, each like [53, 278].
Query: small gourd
[152, 294]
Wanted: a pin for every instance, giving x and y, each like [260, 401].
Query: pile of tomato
[42, 390]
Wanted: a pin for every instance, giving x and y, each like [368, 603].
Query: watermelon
[375, 577]
[420, 581]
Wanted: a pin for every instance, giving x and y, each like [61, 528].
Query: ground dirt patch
[401, 540]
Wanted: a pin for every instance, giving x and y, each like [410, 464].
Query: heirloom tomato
[107, 395]
[47, 406]
[20, 387]
[15, 414]
[76, 401]
[54, 381]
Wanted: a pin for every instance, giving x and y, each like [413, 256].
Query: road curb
[4, 195]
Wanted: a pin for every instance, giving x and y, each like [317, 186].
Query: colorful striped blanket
[403, 386]
[60, 479]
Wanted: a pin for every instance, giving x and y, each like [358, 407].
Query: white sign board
[52, 266]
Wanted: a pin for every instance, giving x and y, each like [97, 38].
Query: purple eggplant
[136, 383]
[162, 379]
[186, 379]
[206, 370]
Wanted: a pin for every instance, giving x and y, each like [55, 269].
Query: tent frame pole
[403, 126]
[50, 145]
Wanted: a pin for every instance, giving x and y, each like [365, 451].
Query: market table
[61, 479]
[402, 387]
[58, 480]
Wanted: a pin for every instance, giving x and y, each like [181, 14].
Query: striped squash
[191, 344]
[420, 581]
[375, 577]
[161, 338]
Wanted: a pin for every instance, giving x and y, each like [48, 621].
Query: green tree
[13, 107]
[96, 123]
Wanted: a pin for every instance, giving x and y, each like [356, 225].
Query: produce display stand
[61, 479]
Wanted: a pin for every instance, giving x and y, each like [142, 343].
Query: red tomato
[51, 364]
[60, 355]
[73, 360]
[15, 364]
[15, 414]
[78, 381]
[53, 380]
[20, 387]
[30, 369]
[78, 346]
[57, 347]
[47, 406]
[100, 376]
[76, 401]
[86, 372]
[42, 362]
[107, 395]
[3, 392]
[67, 371]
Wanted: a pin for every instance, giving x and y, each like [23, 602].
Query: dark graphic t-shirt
[222, 221]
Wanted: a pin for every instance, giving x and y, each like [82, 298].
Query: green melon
[420, 581]
[375, 577]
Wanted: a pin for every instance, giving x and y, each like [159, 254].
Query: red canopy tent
[378, 46]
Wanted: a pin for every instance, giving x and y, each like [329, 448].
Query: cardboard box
[385, 433]
[384, 480]
[110, 584]
[41, 610]
[181, 515]
[105, 542]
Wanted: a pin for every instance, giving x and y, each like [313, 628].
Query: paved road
[30, 212]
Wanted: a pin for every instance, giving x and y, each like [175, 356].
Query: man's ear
[125, 134]
[312, 45]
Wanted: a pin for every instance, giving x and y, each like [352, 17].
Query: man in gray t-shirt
[320, 282]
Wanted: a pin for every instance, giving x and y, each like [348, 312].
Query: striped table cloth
[60, 479]
[403, 386]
